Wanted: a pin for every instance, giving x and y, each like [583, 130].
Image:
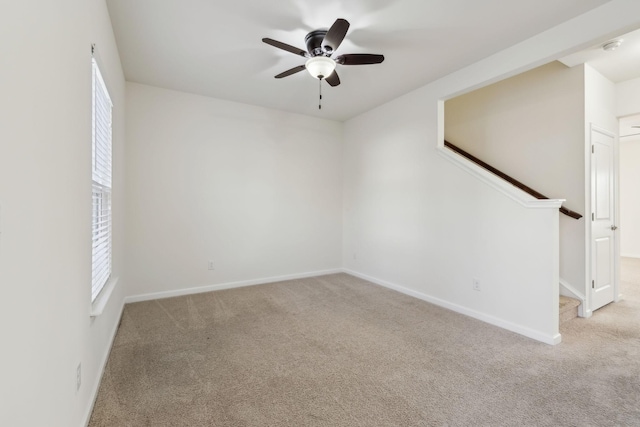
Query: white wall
[628, 105]
[600, 101]
[531, 126]
[45, 199]
[414, 221]
[417, 222]
[628, 98]
[630, 198]
[257, 191]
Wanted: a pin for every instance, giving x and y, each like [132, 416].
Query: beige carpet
[339, 351]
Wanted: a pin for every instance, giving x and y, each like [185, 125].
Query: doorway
[629, 172]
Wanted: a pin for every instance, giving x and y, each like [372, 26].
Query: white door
[602, 219]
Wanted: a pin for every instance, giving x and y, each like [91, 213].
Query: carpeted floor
[339, 351]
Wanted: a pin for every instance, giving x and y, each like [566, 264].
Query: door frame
[589, 209]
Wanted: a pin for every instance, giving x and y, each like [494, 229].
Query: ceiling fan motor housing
[314, 40]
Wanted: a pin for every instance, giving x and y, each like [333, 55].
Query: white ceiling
[214, 47]
[618, 65]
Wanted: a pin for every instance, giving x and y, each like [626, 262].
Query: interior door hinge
[593, 216]
[593, 284]
[592, 149]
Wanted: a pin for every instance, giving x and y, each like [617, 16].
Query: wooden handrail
[507, 178]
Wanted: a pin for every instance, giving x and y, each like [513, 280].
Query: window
[101, 183]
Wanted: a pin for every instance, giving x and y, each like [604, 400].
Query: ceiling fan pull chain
[320, 92]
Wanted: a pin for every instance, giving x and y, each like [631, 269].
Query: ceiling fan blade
[291, 71]
[335, 35]
[286, 47]
[359, 59]
[333, 79]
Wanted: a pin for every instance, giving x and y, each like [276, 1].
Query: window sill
[97, 306]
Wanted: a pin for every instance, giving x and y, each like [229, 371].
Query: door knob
[614, 228]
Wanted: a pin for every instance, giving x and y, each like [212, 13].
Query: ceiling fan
[321, 44]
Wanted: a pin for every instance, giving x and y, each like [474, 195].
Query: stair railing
[507, 178]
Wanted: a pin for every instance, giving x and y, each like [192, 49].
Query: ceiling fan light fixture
[320, 67]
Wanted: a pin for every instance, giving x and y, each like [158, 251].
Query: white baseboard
[228, 285]
[103, 365]
[630, 255]
[527, 332]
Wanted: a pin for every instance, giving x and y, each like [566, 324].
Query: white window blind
[101, 184]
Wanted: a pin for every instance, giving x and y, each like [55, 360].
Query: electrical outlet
[78, 376]
[476, 285]
[211, 267]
